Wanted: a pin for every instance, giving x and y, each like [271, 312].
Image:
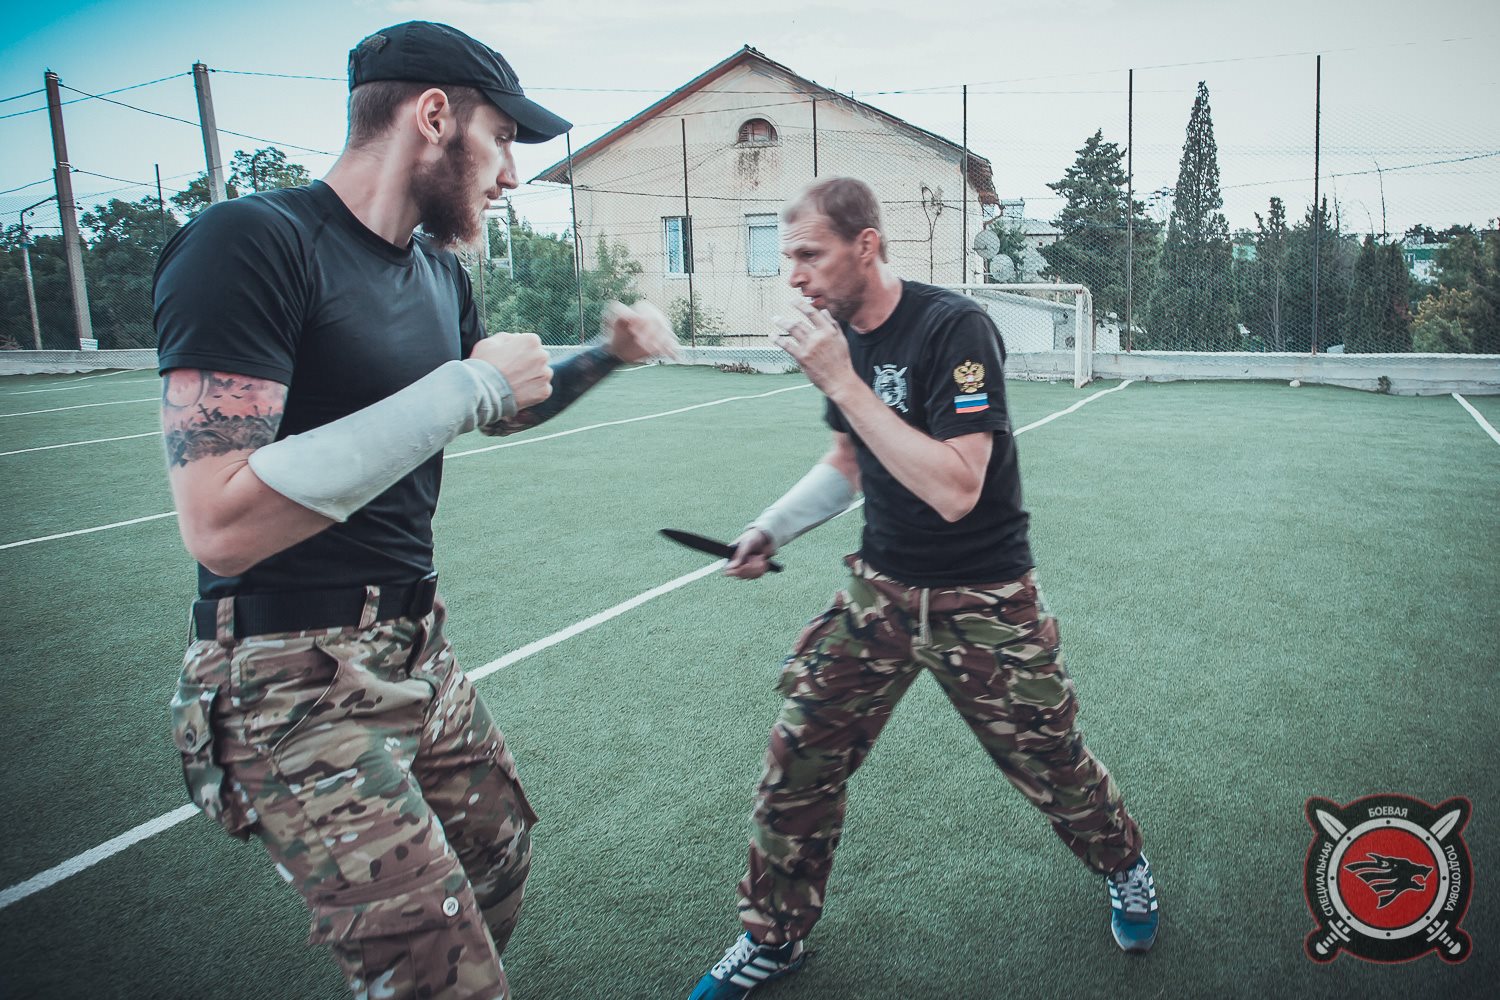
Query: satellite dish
[987, 244]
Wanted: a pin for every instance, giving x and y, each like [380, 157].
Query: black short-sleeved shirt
[938, 363]
[288, 285]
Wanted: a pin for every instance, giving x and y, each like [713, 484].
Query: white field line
[87, 531]
[73, 383]
[82, 406]
[91, 857]
[626, 420]
[75, 444]
[461, 454]
[1488, 429]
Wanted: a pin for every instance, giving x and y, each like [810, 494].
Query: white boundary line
[82, 406]
[75, 444]
[87, 531]
[113, 846]
[1488, 429]
[65, 386]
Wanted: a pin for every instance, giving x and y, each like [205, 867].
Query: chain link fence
[1182, 197]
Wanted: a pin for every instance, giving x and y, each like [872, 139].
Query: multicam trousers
[994, 649]
[364, 761]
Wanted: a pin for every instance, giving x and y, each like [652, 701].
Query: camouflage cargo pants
[364, 761]
[994, 649]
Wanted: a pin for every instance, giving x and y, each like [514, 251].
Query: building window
[757, 132]
[677, 231]
[762, 245]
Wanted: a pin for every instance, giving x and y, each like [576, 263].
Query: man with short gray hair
[942, 582]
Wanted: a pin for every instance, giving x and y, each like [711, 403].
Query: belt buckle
[422, 596]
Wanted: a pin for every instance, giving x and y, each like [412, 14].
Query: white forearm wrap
[336, 469]
[819, 496]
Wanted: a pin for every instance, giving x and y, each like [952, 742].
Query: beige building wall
[626, 191]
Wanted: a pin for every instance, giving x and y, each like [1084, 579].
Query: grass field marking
[627, 420]
[1082, 402]
[579, 628]
[94, 855]
[73, 383]
[1488, 429]
[75, 444]
[87, 531]
[82, 406]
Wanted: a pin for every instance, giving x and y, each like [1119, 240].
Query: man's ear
[433, 115]
[869, 244]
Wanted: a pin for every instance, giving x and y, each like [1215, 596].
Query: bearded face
[448, 194]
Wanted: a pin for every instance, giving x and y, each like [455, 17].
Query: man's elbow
[959, 505]
[216, 550]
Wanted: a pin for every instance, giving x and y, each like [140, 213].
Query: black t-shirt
[289, 285]
[938, 363]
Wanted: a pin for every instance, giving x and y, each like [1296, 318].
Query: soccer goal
[1048, 329]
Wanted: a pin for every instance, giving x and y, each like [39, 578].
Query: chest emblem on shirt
[890, 386]
[969, 376]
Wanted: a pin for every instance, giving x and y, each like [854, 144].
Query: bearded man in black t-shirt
[942, 581]
[317, 356]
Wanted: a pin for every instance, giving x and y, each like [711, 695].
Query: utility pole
[36, 323]
[687, 244]
[577, 245]
[161, 209]
[210, 127]
[67, 211]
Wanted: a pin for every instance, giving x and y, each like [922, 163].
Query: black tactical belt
[303, 610]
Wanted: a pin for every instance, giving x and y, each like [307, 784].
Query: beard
[444, 193]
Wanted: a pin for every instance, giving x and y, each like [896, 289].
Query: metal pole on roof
[687, 243]
[963, 193]
[1129, 202]
[577, 247]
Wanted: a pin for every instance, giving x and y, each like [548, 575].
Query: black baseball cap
[426, 52]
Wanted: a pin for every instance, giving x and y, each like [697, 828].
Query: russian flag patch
[971, 402]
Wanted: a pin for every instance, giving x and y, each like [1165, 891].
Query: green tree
[1262, 308]
[1378, 319]
[1438, 327]
[535, 290]
[195, 197]
[1091, 249]
[49, 277]
[124, 240]
[265, 169]
[1471, 265]
[1191, 305]
[704, 327]
[1336, 253]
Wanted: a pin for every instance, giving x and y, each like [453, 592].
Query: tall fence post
[212, 158]
[1317, 209]
[67, 211]
[687, 243]
[815, 136]
[577, 244]
[963, 194]
[1129, 205]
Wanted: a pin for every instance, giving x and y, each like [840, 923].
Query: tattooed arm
[211, 422]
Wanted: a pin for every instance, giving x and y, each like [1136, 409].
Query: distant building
[1036, 233]
[1421, 258]
[755, 133]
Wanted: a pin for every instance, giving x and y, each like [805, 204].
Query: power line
[23, 187]
[185, 121]
[17, 97]
[279, 76]
[86, 97]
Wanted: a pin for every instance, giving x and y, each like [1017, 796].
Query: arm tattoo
[204, 414]
[570, 379]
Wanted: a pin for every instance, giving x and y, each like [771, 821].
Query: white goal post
[1048, 329]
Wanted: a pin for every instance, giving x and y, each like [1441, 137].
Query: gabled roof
[980, 174]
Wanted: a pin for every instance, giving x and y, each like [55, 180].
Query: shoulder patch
[969, 376]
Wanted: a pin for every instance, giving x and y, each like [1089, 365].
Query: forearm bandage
[571, 378]
[336, 469]
[819, 496]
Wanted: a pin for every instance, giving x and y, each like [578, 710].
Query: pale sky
[1405, 85]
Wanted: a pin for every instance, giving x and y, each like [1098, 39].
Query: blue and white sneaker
[1132, 899]
[745, 966]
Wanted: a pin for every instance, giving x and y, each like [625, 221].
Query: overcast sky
[1405, 85]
